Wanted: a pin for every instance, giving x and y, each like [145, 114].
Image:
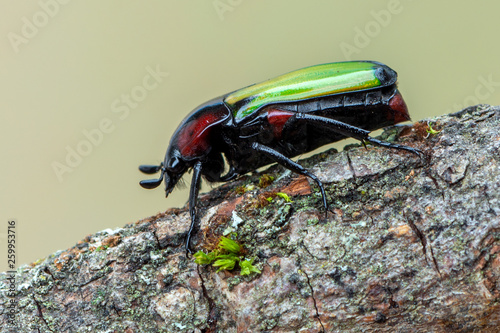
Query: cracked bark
[408, 245]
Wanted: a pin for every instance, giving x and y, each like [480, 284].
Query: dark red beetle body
[278, 119]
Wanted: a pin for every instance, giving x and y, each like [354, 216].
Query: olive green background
[67, 69]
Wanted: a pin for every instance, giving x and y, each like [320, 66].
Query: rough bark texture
[409, 245]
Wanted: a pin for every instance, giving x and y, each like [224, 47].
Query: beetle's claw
[415, 151]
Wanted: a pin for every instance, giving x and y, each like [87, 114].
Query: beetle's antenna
[150, 169]
[151, 183]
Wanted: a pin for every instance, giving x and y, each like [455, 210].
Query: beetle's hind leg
[352, 131]
[291, 165]
[393, 145]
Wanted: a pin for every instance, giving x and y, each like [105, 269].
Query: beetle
[277, 119]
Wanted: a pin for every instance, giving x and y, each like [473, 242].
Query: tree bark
[409, 245]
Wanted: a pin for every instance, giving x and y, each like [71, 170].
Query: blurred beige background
[91, 89]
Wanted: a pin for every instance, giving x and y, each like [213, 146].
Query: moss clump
[225, 256]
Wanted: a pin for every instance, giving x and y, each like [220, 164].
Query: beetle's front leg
[291, 165]
[351, 131]
[193, 198]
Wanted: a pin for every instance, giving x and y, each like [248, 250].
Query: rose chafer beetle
[278, 119]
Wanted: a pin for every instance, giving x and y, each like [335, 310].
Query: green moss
[225, 256]
[101, 248]
[284, 196]
[430, 130]
[265, 180]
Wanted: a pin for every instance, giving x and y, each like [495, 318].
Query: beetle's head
[191, 142]
[171, 171]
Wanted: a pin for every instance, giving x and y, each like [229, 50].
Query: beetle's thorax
[192, 139]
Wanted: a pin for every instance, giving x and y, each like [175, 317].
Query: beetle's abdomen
[276, 127]
[369, 110]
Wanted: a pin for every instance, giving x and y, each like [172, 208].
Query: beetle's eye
[175, 165]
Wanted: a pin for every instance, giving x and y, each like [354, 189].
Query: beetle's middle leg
[291, 165]
[351, 131]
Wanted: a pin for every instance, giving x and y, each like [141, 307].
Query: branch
[409, 244]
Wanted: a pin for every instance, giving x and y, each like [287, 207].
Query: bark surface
[409, 245]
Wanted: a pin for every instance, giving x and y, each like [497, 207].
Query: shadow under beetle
[281, 118]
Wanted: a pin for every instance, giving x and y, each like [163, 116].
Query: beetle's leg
[415, 151]
[193, 198]
[291, 165]
[230, 175]
[213, 169]
[352, 131]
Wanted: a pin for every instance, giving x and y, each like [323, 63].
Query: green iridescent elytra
[310, 82]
